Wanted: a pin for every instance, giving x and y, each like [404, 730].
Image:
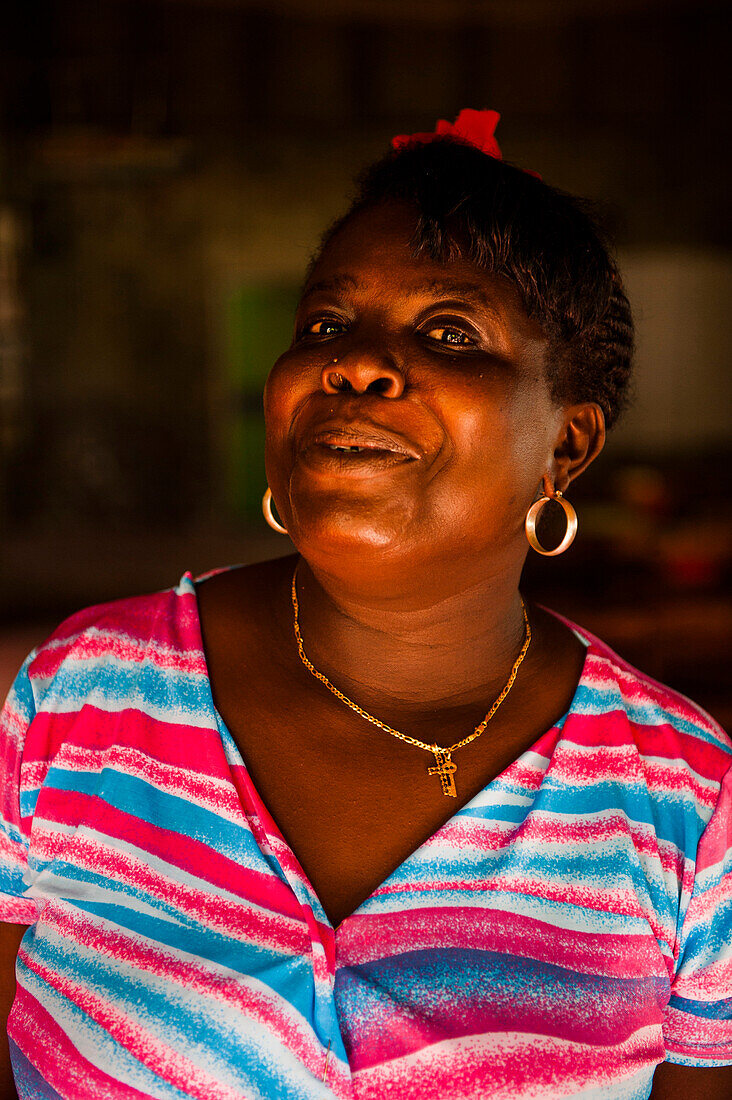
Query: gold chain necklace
[444, 766]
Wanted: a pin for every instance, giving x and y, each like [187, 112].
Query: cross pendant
[445, 768]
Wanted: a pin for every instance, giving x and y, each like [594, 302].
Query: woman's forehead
[378, 239]
[374, 248]
[376, 233]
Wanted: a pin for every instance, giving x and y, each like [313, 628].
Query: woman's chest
[510, 939]
[355, 793]
[352, 800]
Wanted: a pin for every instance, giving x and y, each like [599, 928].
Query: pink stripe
[694, 1035]
[582, 730]
[12, 853]
[605, 666]
[605, 1022]
[9, 808]
[606, 766]
[267, 831]
[236, 919]
[717, 840]
[19, 910]
[538, 829]
[270, 838]
[194, 856]
[170, 743]
[509, 1065]
[663, 741]
[98, 642]
[12, 729]
[678, 779]
[364, 939]
[705, 906]
[169, 616]
[215, 794]
[620, 903]
[36, 1033]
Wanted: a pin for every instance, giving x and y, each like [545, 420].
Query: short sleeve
[698, 1021]
[15, 718]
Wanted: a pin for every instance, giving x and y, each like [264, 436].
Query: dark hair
[545, 241]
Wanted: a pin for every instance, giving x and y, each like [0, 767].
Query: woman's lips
[353, 439]
[345, 450]
[333, 460]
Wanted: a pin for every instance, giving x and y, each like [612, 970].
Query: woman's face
[410, 421]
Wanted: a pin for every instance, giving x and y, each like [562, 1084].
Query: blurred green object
[258, 329]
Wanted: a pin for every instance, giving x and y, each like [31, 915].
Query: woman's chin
[361, 518]
[350, 533]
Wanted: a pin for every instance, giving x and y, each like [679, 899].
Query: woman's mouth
[354, 438]
[356, 450]
[344, 458]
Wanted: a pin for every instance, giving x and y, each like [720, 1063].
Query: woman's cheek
[280, 400]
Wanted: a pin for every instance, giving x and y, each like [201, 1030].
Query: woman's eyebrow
[453, 288]
[336, 282]
[469, 291]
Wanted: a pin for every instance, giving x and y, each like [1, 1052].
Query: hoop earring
[532, 516]
[269, 515]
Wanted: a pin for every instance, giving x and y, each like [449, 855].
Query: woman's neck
[415, 648]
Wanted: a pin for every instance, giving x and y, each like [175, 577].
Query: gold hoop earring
[269, 515]
[532, 516]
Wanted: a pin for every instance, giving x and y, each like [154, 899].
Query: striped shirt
[563, 933]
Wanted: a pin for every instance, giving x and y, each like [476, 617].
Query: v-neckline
[231, 750]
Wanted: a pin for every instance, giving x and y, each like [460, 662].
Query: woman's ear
[581, 439]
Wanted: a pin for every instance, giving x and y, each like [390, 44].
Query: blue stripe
[674, 818]
[592, 867]
[289, 976]
[135, 796]
[117, 1058]
[21, 697]
[706, 1010]
[593, 700]
[440, 984]
[139, 684]
[12, 832]
[82, 884]
[28, 801]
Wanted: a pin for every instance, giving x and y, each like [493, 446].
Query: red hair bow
[476, 128]
[471, 127]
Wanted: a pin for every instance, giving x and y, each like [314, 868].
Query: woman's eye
[443, 334]
[323, 328]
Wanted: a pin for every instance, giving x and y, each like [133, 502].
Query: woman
[471, 852]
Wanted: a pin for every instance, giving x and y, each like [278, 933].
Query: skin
[10, 937]
[410, 560]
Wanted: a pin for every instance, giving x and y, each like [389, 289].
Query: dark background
[166, 167]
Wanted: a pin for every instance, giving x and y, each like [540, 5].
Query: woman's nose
[362, 373]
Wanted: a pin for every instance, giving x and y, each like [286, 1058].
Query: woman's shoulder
[118, 650]
[160, 629]
[120, 656]
[124, 628]
[666, 726]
